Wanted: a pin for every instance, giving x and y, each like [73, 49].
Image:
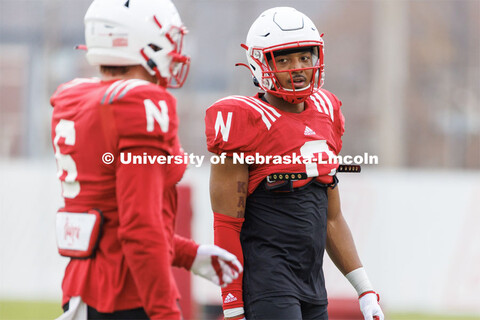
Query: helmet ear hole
[255, 82]
[154, 47]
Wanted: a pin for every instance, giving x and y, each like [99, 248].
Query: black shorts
[283, 241]
[284, 308]
[132, 314]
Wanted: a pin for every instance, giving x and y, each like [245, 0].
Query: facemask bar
[178, 65]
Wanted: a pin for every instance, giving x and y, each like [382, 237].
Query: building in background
[407, 72]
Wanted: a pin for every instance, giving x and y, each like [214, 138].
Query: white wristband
[359, 280]
[229, 313]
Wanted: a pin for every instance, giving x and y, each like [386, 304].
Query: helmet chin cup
[294, 96]
[294, 100]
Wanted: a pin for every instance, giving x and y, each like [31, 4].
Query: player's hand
[216, 264]
[369, 306]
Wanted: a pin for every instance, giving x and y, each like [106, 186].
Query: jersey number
[66, 129]
[309, 149]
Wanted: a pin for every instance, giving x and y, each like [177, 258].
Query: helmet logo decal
[120, 42]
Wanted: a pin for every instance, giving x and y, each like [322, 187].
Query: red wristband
[371, 291]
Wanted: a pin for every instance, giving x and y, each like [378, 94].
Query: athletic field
[37, 310]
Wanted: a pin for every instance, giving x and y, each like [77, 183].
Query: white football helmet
[280, 29]
[138, 32]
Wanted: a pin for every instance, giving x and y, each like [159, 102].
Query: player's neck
[283, 105]
[134, 72]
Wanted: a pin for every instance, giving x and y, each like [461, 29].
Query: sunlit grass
[29, 310]
[419, 316]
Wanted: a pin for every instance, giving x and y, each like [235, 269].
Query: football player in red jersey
[282, 211]
[117, 224]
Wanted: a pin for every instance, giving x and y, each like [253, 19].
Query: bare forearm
[341, 247]
[340, 244]
[228, 188]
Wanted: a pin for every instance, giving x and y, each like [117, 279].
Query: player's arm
[208, 261]
[228, 194]
[228, 188]
[341, 249]
[143, 236]
[340, 244]
[185, 251]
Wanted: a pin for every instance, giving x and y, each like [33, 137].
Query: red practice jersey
[132, 265]
[248, 126]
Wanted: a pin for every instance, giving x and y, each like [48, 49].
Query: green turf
[419, 316]
[29, 310]
[41, 310]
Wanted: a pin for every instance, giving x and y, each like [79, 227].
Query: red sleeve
[227, 236]
[231, 127]
[338, 128]
[185, 252]
[143, 236]
[339, 124]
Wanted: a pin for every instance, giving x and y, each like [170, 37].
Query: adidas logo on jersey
[229, 298]
[308, 131]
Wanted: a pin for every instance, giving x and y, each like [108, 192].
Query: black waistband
[287, 185]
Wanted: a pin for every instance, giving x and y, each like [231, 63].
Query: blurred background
[408, 75]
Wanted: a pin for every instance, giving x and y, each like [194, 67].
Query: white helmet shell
[277, 29]
[137, 32]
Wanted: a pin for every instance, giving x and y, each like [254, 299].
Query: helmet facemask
[284, 29]
[269, 81]
[179, 63]
[165, 60]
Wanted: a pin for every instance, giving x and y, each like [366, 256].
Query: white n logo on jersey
[153, 114]
[220, 125]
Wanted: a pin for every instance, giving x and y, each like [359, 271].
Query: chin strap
[152, 65]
